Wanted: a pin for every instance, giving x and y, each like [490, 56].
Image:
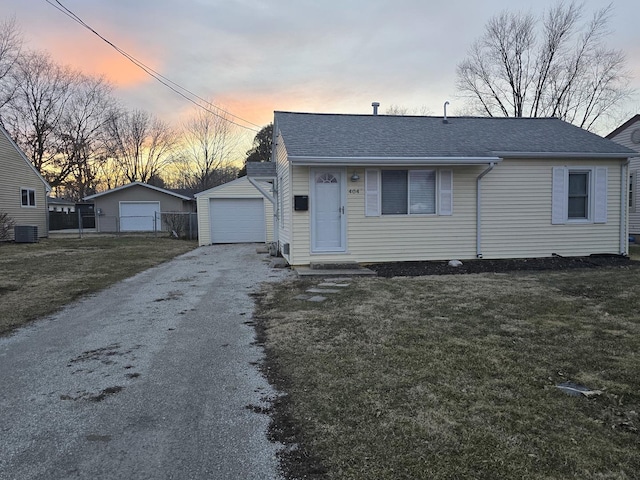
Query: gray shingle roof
[339, 135]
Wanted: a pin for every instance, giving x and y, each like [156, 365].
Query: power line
[173, 86]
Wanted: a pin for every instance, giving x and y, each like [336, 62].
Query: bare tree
[559, 66]
[210, 143]
[139, 144]
[399, 110]
[10, 48]
[80, 134]
[34, 111]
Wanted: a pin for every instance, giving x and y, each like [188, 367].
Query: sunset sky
[256, 56]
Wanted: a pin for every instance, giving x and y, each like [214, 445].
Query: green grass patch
[39, 278]
[455, 376]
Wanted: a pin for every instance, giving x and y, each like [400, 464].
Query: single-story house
[23, 191]
[235, 212]
[379, 188]
[628, 134]
[137, 207]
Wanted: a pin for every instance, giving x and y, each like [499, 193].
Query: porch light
[355, 177]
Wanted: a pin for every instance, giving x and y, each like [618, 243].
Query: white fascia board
[390, 161]
[620, 156]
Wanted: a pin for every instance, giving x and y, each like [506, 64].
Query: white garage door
[139, 216]
[237, 220]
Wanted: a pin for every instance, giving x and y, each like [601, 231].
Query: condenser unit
[25, 233]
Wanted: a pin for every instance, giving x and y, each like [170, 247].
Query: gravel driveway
[153, 378]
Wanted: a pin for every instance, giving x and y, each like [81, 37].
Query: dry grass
[455, 376]
[39, 278]
[634, 252]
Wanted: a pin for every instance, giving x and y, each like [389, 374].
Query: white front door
[327, 211]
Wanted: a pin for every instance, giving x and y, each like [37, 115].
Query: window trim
[31, 195]
[589, 195]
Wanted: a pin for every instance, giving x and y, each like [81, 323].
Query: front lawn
[38, 278]
[452, 377]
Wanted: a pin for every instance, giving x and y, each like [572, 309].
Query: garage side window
[28, 197]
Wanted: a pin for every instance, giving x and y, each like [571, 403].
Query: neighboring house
[23, 191]
[137, 207]
[628, 134]
[61, 205]
[234, 212]
[374, 188]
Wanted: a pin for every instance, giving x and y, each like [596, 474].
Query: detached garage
[139, 207]
[235, 212]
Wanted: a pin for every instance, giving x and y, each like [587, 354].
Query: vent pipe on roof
[444, 120]
[375, 106]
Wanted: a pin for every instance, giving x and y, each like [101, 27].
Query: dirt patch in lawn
[417, 269]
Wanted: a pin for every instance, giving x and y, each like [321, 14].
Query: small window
[28, 197]
[578, 195]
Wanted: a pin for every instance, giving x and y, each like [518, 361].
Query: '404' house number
[354, 190]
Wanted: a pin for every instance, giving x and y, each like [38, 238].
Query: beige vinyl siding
[15, 175]
[516, 213]
[284, 172]
[239, 188]
[624, 138]
[394, 237]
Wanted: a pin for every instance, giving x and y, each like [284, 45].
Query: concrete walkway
[154, 378]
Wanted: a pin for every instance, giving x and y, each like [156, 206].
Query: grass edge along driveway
[39, 278]
[455, 376]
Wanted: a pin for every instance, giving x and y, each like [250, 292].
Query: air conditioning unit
[25, 233]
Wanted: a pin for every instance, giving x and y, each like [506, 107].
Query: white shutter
[372, 193]
[445, 204]
[559, 196]
[600, 196]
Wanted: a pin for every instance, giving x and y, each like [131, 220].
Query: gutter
[624, 202]
[479, 210]
[302, 160]
[262, 190]
[583, 155]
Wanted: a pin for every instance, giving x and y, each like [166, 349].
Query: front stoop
[333, 270]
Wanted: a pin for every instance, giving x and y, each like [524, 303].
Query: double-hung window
[28, 197]
[408, 192]
[578, 206]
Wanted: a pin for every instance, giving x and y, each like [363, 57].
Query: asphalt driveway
[153, 378]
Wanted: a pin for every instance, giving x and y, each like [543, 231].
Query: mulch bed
[415, 269]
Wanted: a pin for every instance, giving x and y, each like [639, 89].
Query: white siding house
[235, 212]
[374, 188]
[23, 191]
[628, 134]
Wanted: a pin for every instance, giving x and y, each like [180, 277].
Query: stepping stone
[322, 290]
[302, 297]
[327, 284]
[317, 298]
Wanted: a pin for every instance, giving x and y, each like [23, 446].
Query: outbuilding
[138, 207]
[234, 212]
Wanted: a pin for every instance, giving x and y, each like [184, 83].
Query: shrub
[6, 225]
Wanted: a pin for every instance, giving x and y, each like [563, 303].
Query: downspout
[624, 202]
[479, 210]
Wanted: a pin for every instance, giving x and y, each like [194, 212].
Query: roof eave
[301, 160]
[568, 155]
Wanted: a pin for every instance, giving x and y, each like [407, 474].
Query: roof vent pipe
[444, 120]
[375, 106]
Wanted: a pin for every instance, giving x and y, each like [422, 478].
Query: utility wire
[175, 87]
